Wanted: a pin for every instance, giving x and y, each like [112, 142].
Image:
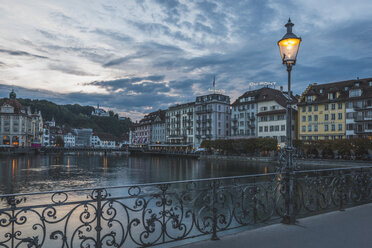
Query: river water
[34, 173]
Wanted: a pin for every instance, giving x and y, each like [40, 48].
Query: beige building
[18, 126]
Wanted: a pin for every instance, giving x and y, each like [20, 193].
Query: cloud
[21, 53]
[156, 53]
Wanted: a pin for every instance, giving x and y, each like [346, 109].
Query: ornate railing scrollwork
[151, 214]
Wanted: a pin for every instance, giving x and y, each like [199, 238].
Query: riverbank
[312, 162]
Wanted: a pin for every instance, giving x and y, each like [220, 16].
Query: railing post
[289, 198]
[12, 203]
[255, 191]
[99, 215]
[214, 209]
[342, 181]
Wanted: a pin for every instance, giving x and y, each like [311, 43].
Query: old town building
[212, 117]
[19, 127]
[336, 110]
[180, 124]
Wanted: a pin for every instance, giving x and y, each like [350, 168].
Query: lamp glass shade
[288, 49]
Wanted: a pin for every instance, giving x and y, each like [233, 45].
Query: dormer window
[346, 88]
[332, 95]
[370, 83]
[355, 93]
[356, 84]
[309, 98]
[321, 91]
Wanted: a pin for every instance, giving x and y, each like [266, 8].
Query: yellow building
[321, 112]
[336, 110]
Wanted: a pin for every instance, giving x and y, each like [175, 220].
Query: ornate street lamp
[288, 47]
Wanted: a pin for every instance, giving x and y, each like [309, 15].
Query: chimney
[281, 88]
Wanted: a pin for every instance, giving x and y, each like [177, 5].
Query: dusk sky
[135, 57]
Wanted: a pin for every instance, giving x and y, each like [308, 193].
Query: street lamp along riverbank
[288, 47]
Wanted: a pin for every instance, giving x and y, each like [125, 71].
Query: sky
[138, 56]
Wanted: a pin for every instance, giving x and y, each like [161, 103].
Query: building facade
[212, 117]
[158, 131]
[69, 140]
[359, 109]
[142, 133]
[179, 123]
[82, 138]
[272, 115]
[18, 126]
[100, 112]
[102, 140]
[336, 110]
[243, 115]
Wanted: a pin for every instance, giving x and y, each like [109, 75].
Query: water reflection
[53, 172]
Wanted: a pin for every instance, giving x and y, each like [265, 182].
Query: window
[315, 137]
[303, 128]
[282, 138]
[309, 128]
[340, 116]
[325, 128]
[315, 117]
[339, 127]
[333, 106]
[326, 117]
[303, 118]
[315, 128]
[333, 116]
[332, 95]
[282, 128]
[326, 107]
[271, 128]
[333, 127]
[303, 109]
[355, 93]
[340, 106]
[309, 118]
[266, 128]
[316, 108]
[310, 108]
[260, 129]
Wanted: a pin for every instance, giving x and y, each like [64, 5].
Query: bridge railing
[158, 213]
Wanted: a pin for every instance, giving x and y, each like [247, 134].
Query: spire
[12, 95]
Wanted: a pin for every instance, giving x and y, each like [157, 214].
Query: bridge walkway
[351, 228]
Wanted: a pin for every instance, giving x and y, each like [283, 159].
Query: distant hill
[77, 116]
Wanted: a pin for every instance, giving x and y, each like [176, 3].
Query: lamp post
[288, 47]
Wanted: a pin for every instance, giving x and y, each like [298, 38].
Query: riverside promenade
[342, 229]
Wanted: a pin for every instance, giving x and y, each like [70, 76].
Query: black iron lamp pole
[288, 46]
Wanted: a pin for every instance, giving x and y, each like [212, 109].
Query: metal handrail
[183, 181]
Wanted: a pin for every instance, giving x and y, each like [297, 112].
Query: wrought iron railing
[158, 213]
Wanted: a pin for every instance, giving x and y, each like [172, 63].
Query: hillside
[77, 116]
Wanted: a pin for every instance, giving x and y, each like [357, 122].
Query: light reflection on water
[33, 173]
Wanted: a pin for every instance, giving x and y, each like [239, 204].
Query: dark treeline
[358, 148]
[254, 146]
[77, 116]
